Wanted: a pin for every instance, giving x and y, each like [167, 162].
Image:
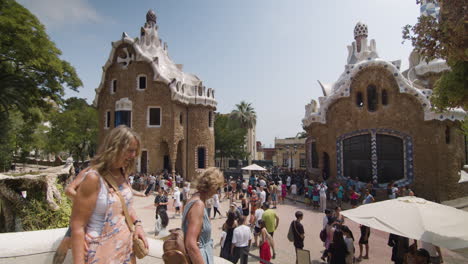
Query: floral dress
[114, 244]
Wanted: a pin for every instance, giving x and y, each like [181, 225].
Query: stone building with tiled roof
[172, 111]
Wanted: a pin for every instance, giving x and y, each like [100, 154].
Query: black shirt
[298, 229]
[161, 198]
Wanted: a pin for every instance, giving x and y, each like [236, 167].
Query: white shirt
[262, 183]
[325, 221]
[258, 215]
[223, 238]
[323, 190]
[262, 197]
[288, 181]
[294, 189]
[349, 245]
[216, 200]
[177, 202]
[241, 236]
[244, 186]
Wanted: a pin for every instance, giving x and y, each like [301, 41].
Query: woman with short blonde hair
[196, 224]
[100, 233]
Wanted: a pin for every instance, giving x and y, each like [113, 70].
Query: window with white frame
[154, 117]
[108, 119]
[113, 86]
[141, 82]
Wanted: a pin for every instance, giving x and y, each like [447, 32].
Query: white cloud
[58, 13]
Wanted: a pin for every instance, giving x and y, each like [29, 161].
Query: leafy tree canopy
[229, 137]
[245, 114]
[31, 72]
[445, 37]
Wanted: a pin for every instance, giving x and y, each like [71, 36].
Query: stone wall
[436, 163]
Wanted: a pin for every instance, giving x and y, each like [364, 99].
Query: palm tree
[247, 118]
[245, 114]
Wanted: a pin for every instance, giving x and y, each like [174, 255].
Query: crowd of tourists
[106, 188]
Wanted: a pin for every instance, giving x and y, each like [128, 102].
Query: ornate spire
[360, 30]
[151, 18]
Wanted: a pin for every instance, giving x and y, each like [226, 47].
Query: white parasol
[418, 219]
[254, 167]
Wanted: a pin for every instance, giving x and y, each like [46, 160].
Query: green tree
[74, 129]
[31, 72]
[445, 37]
[229, 138]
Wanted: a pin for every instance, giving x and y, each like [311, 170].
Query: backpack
[323, 235]
[290, 233]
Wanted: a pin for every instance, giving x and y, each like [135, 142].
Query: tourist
[400, 248]
[326, 217]
[178, 180]
[177, 200]
[151, 183]
[434, 252]
[288, 182]
[315, 190]
[266, 241]
[162, 221]
[253, 206]
[89, 220]
[349, 240]
[338, 250]
[161, 200]
[258, 216]
[364, 242]
[241, 239]
[271, 219]
[249, 191]
[228, 227]
[274, 194]
[339, 218]
[368, 198]
[244, 187]
[294, 192]
[354, 197]
[244, 205]
[284, 192]
[262, 195]
[234, 208]
[330, 230]
[196, 224]
[279, 189]
[298, 232]
[323, 196]
[216, 205]
[339, 194]
[392, 191]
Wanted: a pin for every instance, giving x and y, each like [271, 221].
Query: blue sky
[267, 52]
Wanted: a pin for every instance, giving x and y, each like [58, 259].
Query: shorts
[257, 230]
[244, 191]
[177, 208]
[273, 197]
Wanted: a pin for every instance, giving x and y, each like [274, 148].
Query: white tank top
[96, 221]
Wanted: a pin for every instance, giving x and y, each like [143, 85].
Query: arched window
[372, 98]
[201, 154]
[447, 135]
[181, 118]
[359, 100]
[384, 97]
[113, 86]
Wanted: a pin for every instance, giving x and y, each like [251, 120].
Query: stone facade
[290, 153]
[171, 110]
[386, 115]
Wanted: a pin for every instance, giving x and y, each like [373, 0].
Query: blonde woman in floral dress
[100, 233]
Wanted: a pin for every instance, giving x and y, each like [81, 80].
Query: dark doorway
[390, 164]
[357, 157]
[144, 162]
[326, 166]
[167, 163]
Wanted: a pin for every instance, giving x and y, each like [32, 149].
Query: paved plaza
[379, 252]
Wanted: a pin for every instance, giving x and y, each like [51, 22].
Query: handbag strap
[112, 183]
[296, 228]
